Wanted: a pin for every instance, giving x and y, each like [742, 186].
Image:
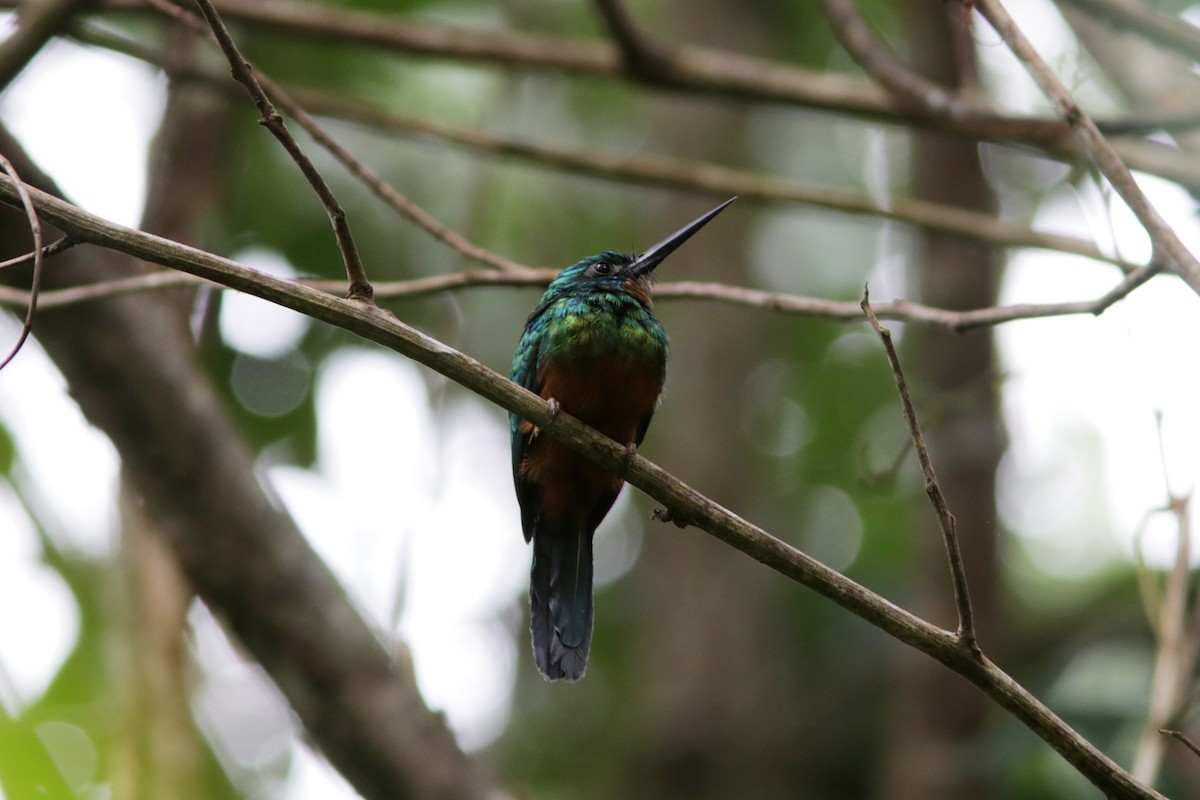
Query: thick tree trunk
[162, 751]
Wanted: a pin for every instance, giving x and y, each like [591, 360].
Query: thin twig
[700, 70]
[694, 69]
[1182, 737]
[649, 170]
[360, 287]
[52, 249]
[35, 228]
[958, 573]
[101, 290]
[1168, 249]
[813, 307]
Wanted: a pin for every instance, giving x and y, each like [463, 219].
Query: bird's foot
[665, 515]
[627, 459]
[554, 409]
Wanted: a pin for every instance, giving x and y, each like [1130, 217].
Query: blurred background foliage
[711, 677]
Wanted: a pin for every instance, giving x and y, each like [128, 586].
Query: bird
[591, 348]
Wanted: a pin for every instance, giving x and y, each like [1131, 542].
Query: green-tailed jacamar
[592, 348]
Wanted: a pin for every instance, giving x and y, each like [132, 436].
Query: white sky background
[1074, 387]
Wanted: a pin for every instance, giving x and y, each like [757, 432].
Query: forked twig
[382, 189]
[35, 228]
[360, 287]
[958, 574]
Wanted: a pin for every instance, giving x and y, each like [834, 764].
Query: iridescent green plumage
[593, 347]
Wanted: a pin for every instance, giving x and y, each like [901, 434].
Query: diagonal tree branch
[131, 367]
[816, 307]
[377, 325]
[1153, 25]
[720, 180]
[642, 169]
[1169, 251]
[746, 82]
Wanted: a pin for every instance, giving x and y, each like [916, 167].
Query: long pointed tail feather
[560, 600]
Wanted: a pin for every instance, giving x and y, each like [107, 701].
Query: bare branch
[52, 249]
[1184, 738]
[820, 308]
[243, 73]
[1169, 251]
[131, 368]
[958, 573]
[104, 289]
[381, 327]
[643, 169]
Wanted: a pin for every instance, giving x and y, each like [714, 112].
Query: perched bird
[592, 348]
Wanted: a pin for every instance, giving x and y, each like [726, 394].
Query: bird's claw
[630, 452]
[665, 515]
[554, 409]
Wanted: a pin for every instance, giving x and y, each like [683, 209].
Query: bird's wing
[525, 371]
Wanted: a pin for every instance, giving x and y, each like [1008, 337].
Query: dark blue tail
[560, 601]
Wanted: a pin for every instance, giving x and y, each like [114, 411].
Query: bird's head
[618, 272]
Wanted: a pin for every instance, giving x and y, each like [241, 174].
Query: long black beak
[647, 261]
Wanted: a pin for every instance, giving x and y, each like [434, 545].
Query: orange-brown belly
[609, 394]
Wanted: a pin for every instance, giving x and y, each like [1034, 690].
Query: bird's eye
[602, 268]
